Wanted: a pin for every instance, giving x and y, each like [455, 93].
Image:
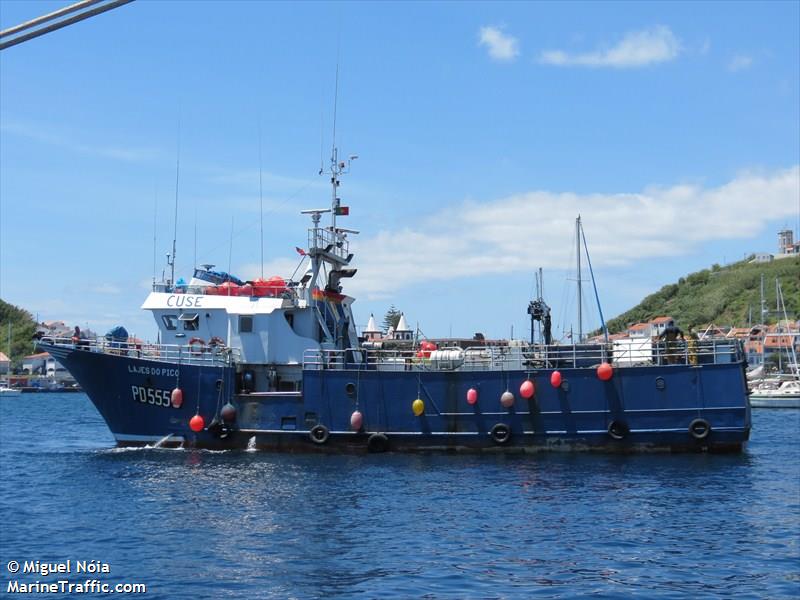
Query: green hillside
[720, 295]
[22, 329]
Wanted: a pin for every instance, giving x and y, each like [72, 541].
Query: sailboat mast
[580, 293]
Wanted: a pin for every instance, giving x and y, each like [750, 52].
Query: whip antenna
[260, 198]
[171, 260]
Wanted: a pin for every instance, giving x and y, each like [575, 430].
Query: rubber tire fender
[377, 443]
[500, 433]
[699, 429]
[618, 429]
[319, 434]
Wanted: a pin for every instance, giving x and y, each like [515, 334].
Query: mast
[594, 285]
[580, 292]
[763, 303]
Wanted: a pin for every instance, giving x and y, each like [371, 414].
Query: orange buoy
[527, 389]
[176, 398]
[196, 423]
[472, 396]
[605, 371]
[555, 379]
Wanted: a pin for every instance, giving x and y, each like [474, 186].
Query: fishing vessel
[278, 364]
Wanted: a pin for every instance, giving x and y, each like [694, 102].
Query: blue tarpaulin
[117, 334]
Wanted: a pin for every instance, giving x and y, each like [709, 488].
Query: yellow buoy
[418, 406]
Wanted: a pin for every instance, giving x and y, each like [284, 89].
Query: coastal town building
[371, 332]
[42, 364]
[762, 257]
[652, 328]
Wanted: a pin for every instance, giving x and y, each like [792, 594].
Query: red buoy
[527, 389]
[176, 398]
[472, 396]
[555, 379]
[356, 420]
[196, 423]
[605, 371]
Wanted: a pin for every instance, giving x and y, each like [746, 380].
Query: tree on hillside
[391, 318]
[22, 329]
[721, 295]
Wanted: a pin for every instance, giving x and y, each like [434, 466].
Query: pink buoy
[472, 396]
[507, 399]
[356, 420]
[176, 398]
[527, 389]
[555, 379]
[605, 371]
[196, 423]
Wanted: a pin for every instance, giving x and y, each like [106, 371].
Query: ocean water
[198, 524]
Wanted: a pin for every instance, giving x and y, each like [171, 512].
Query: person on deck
[670, 336]
[691, 346]
[77, 337]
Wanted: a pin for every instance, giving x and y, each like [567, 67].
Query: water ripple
[253, 524]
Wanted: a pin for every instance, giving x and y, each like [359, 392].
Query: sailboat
[782, 391]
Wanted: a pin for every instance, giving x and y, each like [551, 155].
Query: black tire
[319, 434]
[500, 433]
[377, 443]
[618, 430]
[699, 429]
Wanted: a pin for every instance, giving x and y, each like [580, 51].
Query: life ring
[618, 429]
[500, 433]
[197, 345]
[699, 429]
[319, 434]
[377, 443]
[215, 342]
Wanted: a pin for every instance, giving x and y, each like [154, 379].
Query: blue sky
[482, 129]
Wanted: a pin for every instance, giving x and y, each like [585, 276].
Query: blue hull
[639, 409]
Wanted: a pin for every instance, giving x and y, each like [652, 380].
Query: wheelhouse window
[245, 324]
[170, 322]
[191, 321]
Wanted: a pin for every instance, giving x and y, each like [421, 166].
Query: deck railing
[522, 357]
[168, 353]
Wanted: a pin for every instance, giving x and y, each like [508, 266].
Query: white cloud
[514, 233]
[47, 134]
[106, 288]
[501, 46]
[636, 49]
[740, 62]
